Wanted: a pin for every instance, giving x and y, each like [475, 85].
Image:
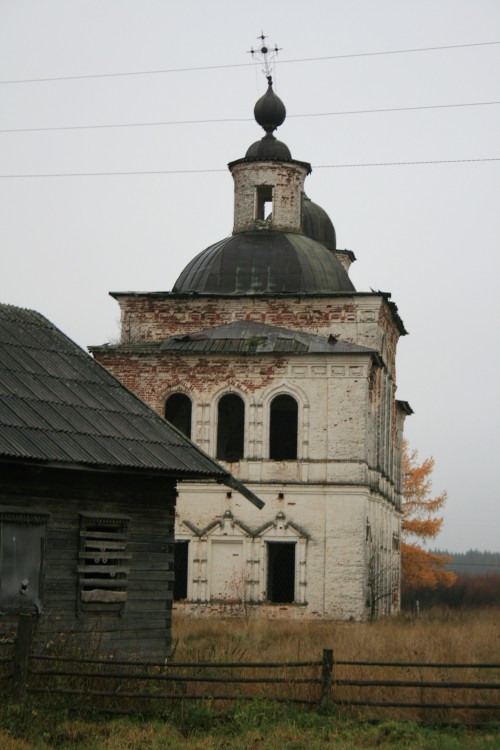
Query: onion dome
[317, 224]
[254, 263]
[270, 113]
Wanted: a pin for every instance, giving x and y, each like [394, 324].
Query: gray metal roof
[247, 337]
[264, 262]
[317, 224]
[58, 405]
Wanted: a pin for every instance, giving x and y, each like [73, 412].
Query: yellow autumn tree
[419, 567]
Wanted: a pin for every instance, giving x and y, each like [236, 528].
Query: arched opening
[230, 428]
[264, 202]
[178, 410]
[283, 429]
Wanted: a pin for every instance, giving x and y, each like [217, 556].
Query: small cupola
[270, 113]
[268, 183]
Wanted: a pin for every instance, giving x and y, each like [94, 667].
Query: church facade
[266, 356]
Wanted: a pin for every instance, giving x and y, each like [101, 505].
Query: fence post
[326, 701]
[21, 655]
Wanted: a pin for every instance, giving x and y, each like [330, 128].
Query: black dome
[264, 262]
[317, 224]
[269, 111]
[269, 148]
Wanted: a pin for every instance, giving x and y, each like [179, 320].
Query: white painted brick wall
[348, 432]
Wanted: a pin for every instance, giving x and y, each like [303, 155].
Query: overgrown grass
[437, 635]
[255, 726]
[260, 725]
[442, 636]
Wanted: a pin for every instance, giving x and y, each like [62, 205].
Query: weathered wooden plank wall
[143, 627]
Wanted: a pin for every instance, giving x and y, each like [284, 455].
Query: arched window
[283, 429]
[230, 428]
[178, 411]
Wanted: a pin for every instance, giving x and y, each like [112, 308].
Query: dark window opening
[22, 552]
[264, 205]
[281, 572]
[178, 410]
[283, 429]
[181, 550]
[230, 428]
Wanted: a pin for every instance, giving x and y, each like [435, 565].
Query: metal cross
[265, 55]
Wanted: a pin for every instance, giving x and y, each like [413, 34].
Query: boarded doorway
[227, 571]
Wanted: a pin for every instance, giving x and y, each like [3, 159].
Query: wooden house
[88, 478]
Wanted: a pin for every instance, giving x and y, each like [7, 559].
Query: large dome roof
[264, 262]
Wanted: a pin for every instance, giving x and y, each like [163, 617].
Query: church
[269, 360]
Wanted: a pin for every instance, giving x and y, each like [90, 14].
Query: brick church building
[266, 356]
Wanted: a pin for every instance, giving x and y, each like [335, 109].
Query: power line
[127, 125]
[242, 119]
[396, 109]
[473, 565]
[246, 65]
[207, 171]
[405, 163]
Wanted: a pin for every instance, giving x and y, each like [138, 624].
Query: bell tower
[268, 183]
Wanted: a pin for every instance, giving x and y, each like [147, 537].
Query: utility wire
[246, 65]
[473, 565]
[206, 171]
[241, 119]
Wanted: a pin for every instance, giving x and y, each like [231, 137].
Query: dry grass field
[444, 637]
[436, 636]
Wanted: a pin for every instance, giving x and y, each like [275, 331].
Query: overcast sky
[427, 233]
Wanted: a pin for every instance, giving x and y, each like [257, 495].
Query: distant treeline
[477, 584]
[473, 561]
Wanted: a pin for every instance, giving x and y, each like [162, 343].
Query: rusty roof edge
[268, 295]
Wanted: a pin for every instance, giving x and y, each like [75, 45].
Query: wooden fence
[382, 690]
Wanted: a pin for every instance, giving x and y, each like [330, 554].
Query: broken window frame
[29, 596]
[103, 567]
